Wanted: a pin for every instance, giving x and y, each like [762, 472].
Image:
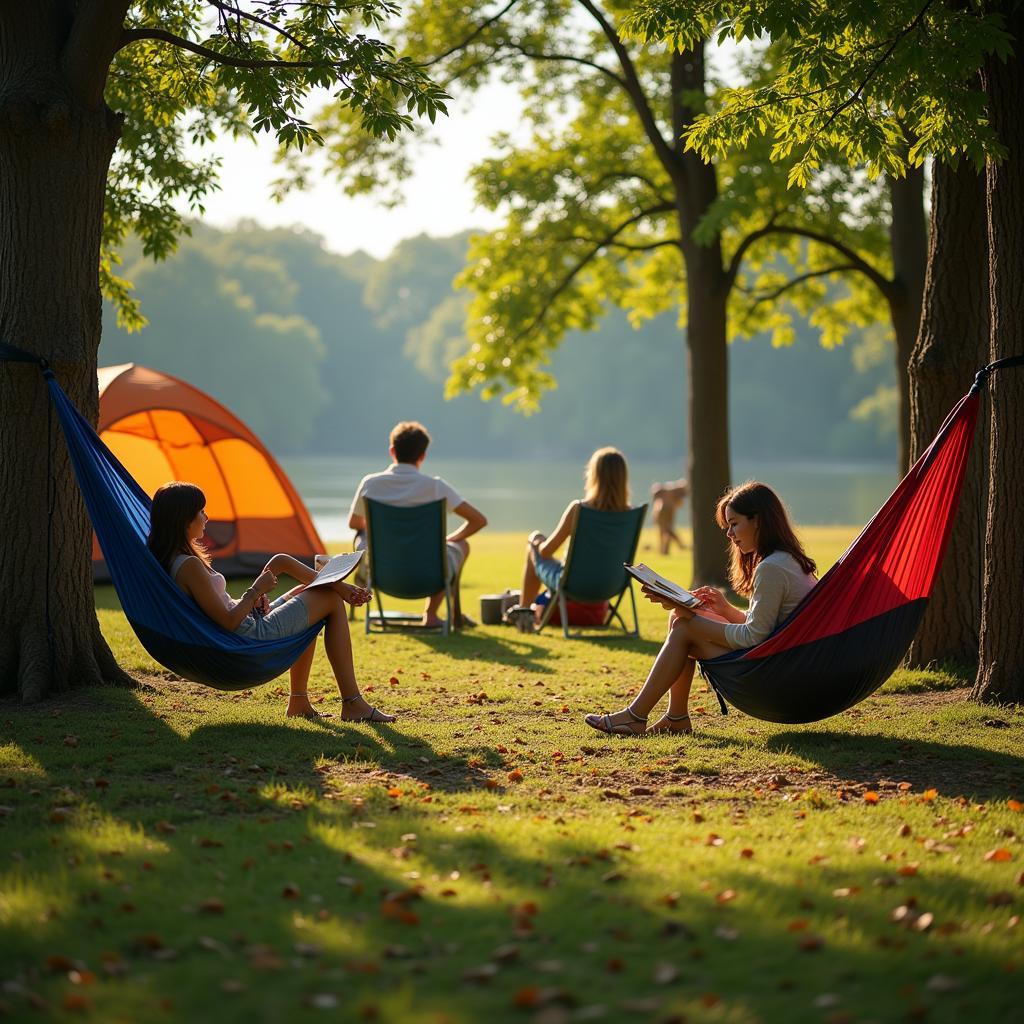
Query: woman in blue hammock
[177, 524]
[768, 565]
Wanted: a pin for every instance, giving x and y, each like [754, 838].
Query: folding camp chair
[407, 557]
[601, 542]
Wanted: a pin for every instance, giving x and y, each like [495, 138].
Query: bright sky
[439, 200]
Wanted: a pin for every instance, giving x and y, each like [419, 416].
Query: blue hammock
[170, 625]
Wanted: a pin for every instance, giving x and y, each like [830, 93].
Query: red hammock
[853, 629]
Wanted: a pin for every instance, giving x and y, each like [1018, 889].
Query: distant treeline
[321, 353]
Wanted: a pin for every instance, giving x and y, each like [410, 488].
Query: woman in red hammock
[769, 566]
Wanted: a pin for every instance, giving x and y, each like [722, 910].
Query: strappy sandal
[603, 723]
[688, 731]
[311, 715]
[375, 716]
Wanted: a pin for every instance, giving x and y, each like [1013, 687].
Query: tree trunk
[952, 347]
[706, 330]
[909, 244]
[54, 158]
[1000, 676]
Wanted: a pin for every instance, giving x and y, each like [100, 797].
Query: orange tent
[161, 429]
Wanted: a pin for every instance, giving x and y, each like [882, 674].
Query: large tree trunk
[952, 347]
[54, 158]
[909, 244]
[706, 334]
[1001, 656]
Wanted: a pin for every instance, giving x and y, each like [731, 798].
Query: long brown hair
[774, 532]
[606, 483]
[175, 505]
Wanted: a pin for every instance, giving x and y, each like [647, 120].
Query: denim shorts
[285, 618]
[549, 571]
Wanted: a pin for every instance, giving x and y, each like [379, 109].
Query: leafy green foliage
[874, 83]
[190, 71]
[596, 207]
[347, 345]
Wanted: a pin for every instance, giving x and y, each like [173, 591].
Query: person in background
[177, 523]
[606, 488]
[666, 499]
[769, 565]
[403, 484]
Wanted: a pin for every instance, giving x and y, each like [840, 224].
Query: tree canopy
[186, 73]
[873, 82]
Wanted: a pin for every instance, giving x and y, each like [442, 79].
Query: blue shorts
[287, 617]
[549, 571]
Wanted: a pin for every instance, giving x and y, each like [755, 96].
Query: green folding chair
[600, 543]
[406, 557]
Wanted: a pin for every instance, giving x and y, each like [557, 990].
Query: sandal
[311, 715]
[687, 730]
[375, 715]
[603, 723]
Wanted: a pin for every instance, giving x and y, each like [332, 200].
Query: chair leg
[563, 611]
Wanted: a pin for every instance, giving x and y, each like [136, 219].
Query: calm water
[531, 495]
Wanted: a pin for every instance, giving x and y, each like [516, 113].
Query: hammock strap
[982, 376]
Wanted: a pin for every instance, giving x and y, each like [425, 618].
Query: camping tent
[163, 429]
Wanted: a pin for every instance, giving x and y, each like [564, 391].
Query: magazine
[336, 569]
[659, 585]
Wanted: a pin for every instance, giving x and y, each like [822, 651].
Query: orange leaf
[908, 870]
[59, 963]
[871, 797]
[211, 907]
[800, 924]
[726, 896]
[166, 827]
[515, 775]
[526, 996]
[290, 892]
[1000, 854]
[929, 795]
[393, 681]
[904, 786]
[746, 853]
[394, 791]
[1015, 805]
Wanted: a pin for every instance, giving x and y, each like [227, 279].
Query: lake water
[523, 496]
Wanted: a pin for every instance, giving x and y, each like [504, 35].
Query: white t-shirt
[404, 485]
[779, 586]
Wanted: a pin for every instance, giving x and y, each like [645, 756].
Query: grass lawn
[172, 853]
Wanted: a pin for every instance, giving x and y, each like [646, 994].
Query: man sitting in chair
[403, 484]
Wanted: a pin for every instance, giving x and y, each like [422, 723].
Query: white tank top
[220, 584]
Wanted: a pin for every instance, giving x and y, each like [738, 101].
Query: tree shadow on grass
[952, 768]
[273, 905]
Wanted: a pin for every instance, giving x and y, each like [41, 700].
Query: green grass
[173, 853]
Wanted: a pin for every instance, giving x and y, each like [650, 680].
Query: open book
[336, 569]
[666, 588]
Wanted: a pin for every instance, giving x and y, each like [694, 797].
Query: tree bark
[54, 157]
[707, 291]
[1000, 676]
[909, 246]
[953, 345]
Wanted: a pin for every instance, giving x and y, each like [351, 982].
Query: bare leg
[531, 582]
[326, 603]
[672, 669]
[298, 698]
[430, 613]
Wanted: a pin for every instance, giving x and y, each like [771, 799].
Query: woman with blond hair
[769, 566]
[605, 488]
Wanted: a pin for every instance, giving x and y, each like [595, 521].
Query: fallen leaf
[1015, 805]
[726, 896]
[665, 974]
[811, 943]
[746, 853]
[211, 906]
[1000, 855]
[515, 775]
[871, 797]
[290, 891]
